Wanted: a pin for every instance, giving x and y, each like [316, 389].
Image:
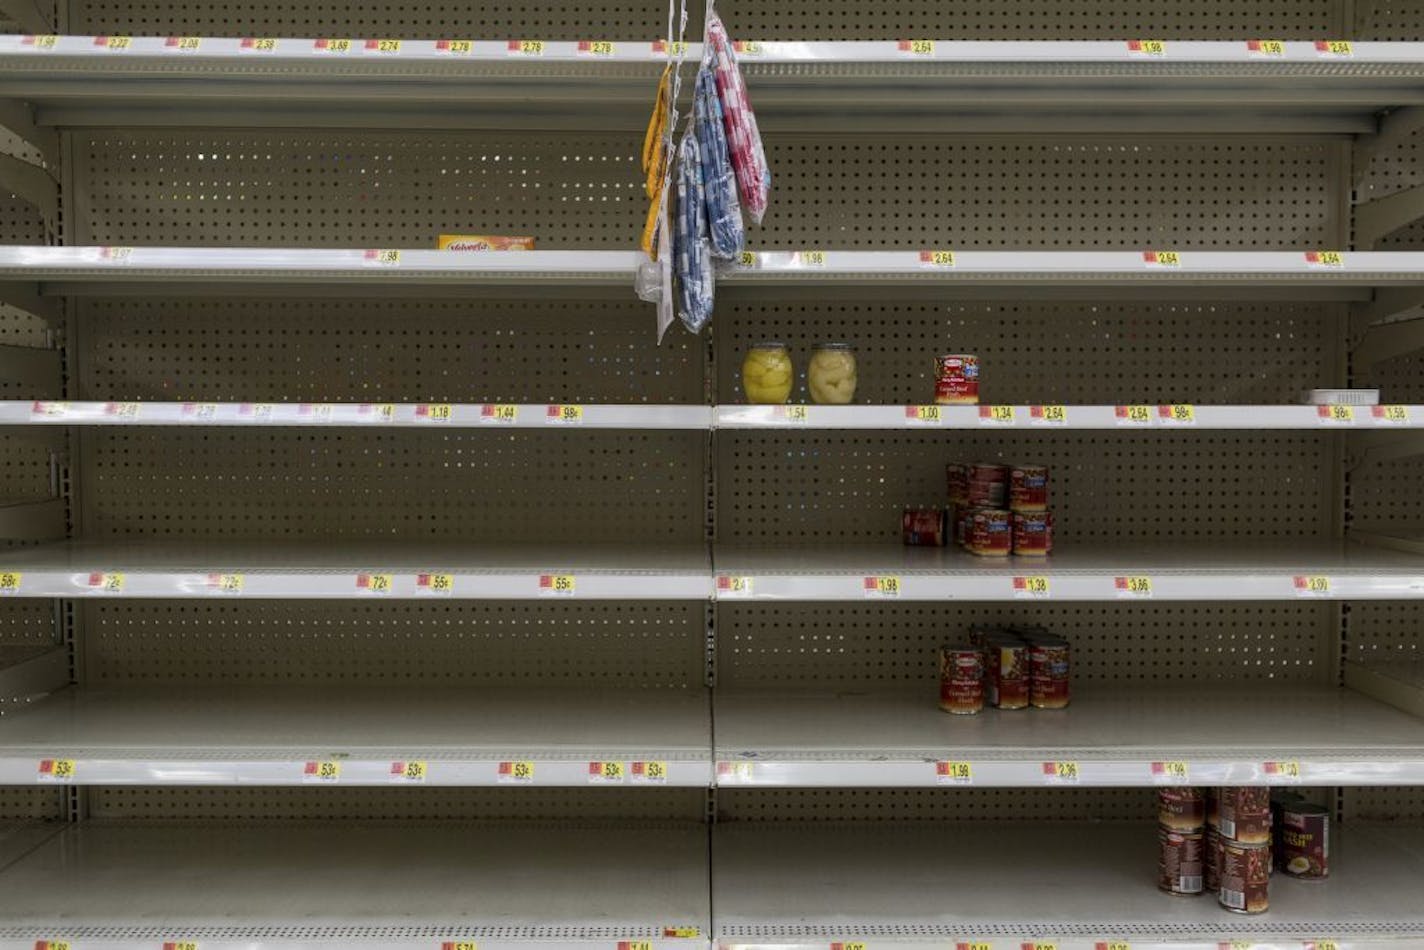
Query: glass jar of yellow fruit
[831, 376]
[766, 374]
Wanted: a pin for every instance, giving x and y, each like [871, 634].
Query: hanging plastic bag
[719, 181]
[743, 137]
[692, 250]
[655, 159]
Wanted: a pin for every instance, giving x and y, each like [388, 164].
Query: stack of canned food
[1219, 840]
[1004, 668]
[1000, 509]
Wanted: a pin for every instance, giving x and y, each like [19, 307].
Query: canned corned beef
[1212, 844]
[1305, 841]
[922, 526]
[1245, 877]
[957, 476]
[988, 485]
[1181, 808]
[1179, 861]
[957, 379]
[1033, 533]
[990, 532]
[961, 679]
[1028, 488]
[1245, 813]
[1048, 663]
[1006, 671]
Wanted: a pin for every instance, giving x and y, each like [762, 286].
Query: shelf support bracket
[1369, 447]
[34, 185]
[26, 297]
[1380, 217]
[1391, 129]
[19, 118]
[28, 15]
[1390, 325]
[35, 369]
[33, 520]
[35, 676]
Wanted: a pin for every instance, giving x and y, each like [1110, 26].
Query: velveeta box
[484, 242]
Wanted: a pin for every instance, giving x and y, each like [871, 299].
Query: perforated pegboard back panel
[413, 484]
[641, 645]
[913, 804]
[1382, 633]
[789, 646]
[378, 804]
[1373, 803]
[842, 19]
[27, 623]
[28, 803]
[384, 189]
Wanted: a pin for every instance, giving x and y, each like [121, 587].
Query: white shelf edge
[571, 417]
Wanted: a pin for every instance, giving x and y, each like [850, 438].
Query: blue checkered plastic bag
[719, 180]
[692, 250]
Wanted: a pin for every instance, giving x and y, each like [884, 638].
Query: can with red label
[1212, 844]
[1179, 862]
[957, 379]
[1245, 877]
[1033, 533]
[957, 476]
[1305, 841]
[1006, 671]
[988, 485]
[1245, 813]
[961, 679]
[1181, 808]
[1213, 806]
[922, 527]
[1028, 488]
[990, 532]
[962, 517]
[1048, 663]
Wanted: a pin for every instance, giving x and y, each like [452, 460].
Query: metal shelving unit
[356, 592]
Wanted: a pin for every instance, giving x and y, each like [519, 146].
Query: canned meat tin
[957, 379]
[1028, 488]
[1245, 813]
[1245, 877]
[988, 485]
[1179, 862]
[956, 475]
[922, 527]
[961, 680]
[1305, 841]
[1181, 808]
[1033, 533]
[1212, 843]
[990, 533]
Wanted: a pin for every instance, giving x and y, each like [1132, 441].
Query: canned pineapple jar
[767, 374]
[831, 374]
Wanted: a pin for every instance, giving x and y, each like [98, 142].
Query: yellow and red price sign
[180, 945]
[1285, 769]
[434, 412]
[518, 772]
[1133, 415]
[382, 256]
[1048, 415]
[107, 582]
[258, 44]
[796, 415]
[682, 933]
[1060, 771]
[442, 584]
[499, 414]
[1264, 49]
[563, 415]
[460, 945]
[916, 47]
[1334, 48]
[1177, 414]
[183, 44]
[924, 415]
[649, 772]
[848, 945]
[881, 585]
[525, 47]
[1335, 415]
[954, 773]
[997, 415]
[748, 47]
[1325, 259]
[606, 773]
[1133, 586]
[974, 945]
[1390, 415]
[937, 259]
[412, 771]
[1170, 771]
[595, 48]
[748, 260]
[1032, 587]
[332, 45]
[458, 47]
[1311, 585]
[734, 585]
[811, 258]
[10, 582]
[226, 583]
[1112, 945]
[322, 771]
[388, 47]
[57, 770]
[635, 945]
[1147, 47]
[43, 41]
[114, 42]
[1167, 259]
[374, 583]
[557, 585]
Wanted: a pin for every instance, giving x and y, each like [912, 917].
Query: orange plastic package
[484, 242]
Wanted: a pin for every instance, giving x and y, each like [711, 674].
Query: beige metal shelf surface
[1179, 86]
[405, 885]
[803, 886]
[468, 735]
[1111, 735]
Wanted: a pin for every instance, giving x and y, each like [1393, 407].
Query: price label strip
[954, 773]
[1311, 585]
[519, 772]
[1284, 770]
[504, 414]
[595, 48]
[332, 46]
[1170, 772]
[916, 47]
[606, 773]
[10, 582]
[848, 945]
[460, 945]
[1133, 587]
[182, 44]
[1112, 945]
[258, 44]
[111, 582]
[1266, 49]
[563, 415]
[226, 583]
[1032, 587]
[557, 585]
[794, 415]
[1169, 260]
[525, 48]
[937, 259]
[811, 258]
[924, 415]
[440, 585]
[1060, 773]
[1177, 414]
[383, 257]
[648, 773]
[1152, 48]
[881, 586]
[1335, 415]
[458, 47]
[434, 412]
[374, 583]
[180, 945]
[1390, 415]
[1325, 260]
[322, 772]
[1133, 415]
[996, 415]
[387, 47]
[409, 772]
[731, 585]
[1048, 415]
[1334, 48]
[57, 770]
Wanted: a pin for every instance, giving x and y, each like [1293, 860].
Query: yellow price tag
[180, 945]
[654, 773]
[937, 258]
[260, 44]
[1311, 585]
[1266, 47]
[1331, 259]
[1289, 769]
[1061, 771]
[384, 46]
[748, 47]
[635, 945]
[917, 47]
[800, 415]
[1048, 415]
[605, 772]
[47, 41]
[334, 45]
[1147, 47]
[933, 415]
[564, 415]
[1162, 258]
[52, 945]
[374, 583]
[454, 46]
[460, 945]
[520, 771]
[954, 773]
[1031, 586]
[661, 48]
[1181, 414]
[505, 414]
[682, 933]
[109, 583]
[1322, 945]
[10, 582]
[1335, 414]
[596, 48]
[1113, 945]
[326, 770]
[58, 770]
[116, 255]
[409, 771]
[116, 42]
[1171, 771]
[811, 258]
[849, 945]
[1133, 415]
[1133, 585]
[556, 585]
[1335, 47]
[747, 259]
[733, 585]
[882, 585]
[997, 415]
[974, 945]
[183, 43]
[1395, 415]
[226, 583]
[1041, 945]
[434, 583]
[434, 412]
[527, 47]
[384, 257]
